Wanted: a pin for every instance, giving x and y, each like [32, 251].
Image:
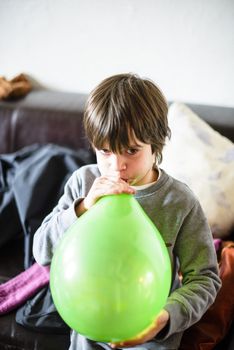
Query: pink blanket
[16, 291]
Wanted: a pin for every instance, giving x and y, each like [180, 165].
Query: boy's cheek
[101, 166]
[104, 170]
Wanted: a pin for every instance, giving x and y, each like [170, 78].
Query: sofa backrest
[46, 116]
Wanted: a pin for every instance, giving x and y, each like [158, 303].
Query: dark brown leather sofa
[44, 117]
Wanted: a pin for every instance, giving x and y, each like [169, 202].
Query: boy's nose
[117, 162]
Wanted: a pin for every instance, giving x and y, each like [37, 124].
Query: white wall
[186, 46]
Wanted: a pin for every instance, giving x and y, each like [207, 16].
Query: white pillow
[204, 160]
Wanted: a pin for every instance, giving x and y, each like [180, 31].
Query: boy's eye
[131, 151]
[105, 151]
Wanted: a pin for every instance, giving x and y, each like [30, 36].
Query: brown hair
[126, 106]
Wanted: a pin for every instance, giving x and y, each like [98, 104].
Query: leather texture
[42, 117]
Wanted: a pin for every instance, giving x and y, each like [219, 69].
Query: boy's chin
[132, 182]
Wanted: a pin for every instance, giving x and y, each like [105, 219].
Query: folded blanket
[14, 88]
[16, 291]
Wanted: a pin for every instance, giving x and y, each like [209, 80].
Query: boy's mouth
[126, 180]
[130, 182]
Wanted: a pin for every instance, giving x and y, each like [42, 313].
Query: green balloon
[111, 273]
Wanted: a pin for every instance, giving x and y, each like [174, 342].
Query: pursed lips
[126, 180]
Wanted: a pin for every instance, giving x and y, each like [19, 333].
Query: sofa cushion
[203, 159]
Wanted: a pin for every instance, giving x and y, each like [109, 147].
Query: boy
[126, 123]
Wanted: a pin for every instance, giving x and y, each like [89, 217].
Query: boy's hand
[148, 334]
[102, 186]
[106, 185]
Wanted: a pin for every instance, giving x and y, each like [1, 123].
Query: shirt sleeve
[199, 268]
[57, 222]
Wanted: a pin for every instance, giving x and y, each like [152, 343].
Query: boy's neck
[155, 178]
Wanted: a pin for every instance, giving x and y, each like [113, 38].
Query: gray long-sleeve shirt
[179, 218]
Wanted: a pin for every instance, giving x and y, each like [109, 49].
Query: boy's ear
[154, 154]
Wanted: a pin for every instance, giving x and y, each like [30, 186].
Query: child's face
[133, 165]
